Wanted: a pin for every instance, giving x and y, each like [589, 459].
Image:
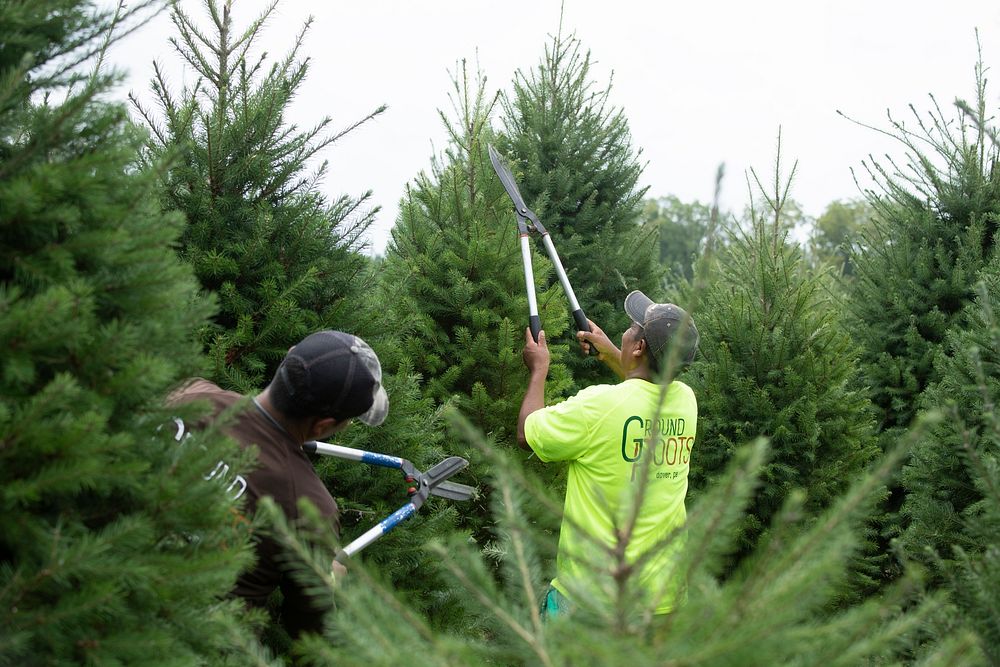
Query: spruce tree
[283, 260]
[454, 281]
[775, 361]
[776, 610]
[578, 171]
[114, 549]
[454, 269]
[953, 488]
[934, 228]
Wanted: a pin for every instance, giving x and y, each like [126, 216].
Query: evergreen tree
[454, 270]
[934, 228]
[366, 494]
[953, 501]
[286, 263]
[282, 259]
[579, 172]
[113, 547]
[453, 283]
[776, 362]
[774, 611]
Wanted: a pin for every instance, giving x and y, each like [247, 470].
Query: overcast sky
[700, 82]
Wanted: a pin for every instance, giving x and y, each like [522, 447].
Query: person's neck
[640, 372]
[293, 428]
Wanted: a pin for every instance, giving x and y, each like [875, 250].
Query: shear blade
[444, 470]
[453, 491]
[509, 184]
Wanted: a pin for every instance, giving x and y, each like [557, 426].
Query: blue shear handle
[384, 460]
[377, 531]
[397, 517]
[371, 458]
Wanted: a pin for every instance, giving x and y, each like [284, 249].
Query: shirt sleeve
[559, 432]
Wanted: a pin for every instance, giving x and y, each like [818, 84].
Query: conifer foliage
[934, 229]
[454, 281]
[579, 173]
[774, 611]
[776, 363]
[952, 479]
[368, 494]
[454, 270]
[282, 259]
[113, 548]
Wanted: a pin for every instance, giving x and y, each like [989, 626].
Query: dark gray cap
[663, 324]
[335, 374]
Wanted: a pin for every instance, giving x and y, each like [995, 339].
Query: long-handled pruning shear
[422, 484]
[528, 222]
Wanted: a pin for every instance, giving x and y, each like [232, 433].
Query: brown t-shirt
[284, 473]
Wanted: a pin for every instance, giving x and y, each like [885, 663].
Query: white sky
[700, 82]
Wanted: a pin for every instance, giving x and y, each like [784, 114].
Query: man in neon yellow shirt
[628, 446]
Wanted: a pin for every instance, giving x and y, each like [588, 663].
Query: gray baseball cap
[661, 324]
[335, 374]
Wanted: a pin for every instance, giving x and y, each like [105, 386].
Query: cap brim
[377, 412]
[636, 304]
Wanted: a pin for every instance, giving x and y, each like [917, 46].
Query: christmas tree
[453, 281]
[952, 505]
[114, 549]
[776, 362]
[283, 260]
[454, 269]
[934, 228]
[573, 153]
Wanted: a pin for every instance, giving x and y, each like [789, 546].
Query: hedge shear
[528, 222]
[423, 484]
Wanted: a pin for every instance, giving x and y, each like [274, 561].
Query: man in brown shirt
[324, 382]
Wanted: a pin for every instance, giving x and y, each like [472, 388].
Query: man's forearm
[534, 399]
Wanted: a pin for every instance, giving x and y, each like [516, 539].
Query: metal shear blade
[433, 481]
[526, 218]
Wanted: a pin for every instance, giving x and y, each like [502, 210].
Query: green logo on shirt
[665, 437]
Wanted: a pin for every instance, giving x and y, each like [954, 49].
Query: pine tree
[952, 480]
[579, 172]
[282, 259]
[113, 547]
[454, 282]
[774, 611]
[454, 267]
[776, 362]
[934, 228]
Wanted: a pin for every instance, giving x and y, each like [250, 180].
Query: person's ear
[324, 427]
[639, 348]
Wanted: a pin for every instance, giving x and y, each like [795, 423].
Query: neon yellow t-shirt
[608, 433]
